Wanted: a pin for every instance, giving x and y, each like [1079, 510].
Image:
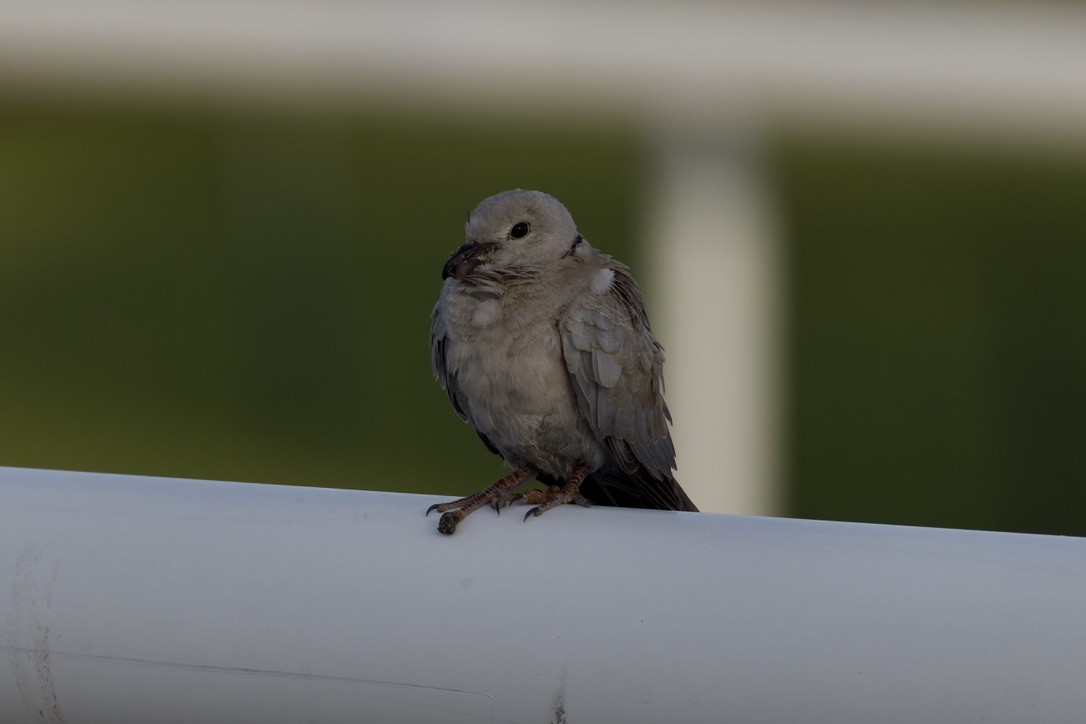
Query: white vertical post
[717, 298]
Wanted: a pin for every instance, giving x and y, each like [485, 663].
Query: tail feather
[610, 486]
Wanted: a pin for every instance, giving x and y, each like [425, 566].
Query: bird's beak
[464, 260]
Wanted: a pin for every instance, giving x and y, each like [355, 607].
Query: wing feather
[439, 361]
[616, 366]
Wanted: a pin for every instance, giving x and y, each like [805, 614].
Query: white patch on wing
[601, 280]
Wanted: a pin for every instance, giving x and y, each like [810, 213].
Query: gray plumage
[543, 346]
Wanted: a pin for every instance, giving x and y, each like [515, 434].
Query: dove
[543, 346]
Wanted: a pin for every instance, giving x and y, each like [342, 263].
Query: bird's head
[513, 230]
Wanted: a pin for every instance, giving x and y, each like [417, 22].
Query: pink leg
[500, 493]
[555, 496]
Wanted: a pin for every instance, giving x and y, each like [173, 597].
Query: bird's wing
[438, 360]
[616, 366]
[440, 367]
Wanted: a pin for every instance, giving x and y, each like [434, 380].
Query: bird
[543, 345]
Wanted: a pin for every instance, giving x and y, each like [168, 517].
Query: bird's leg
[555, 496]
[501, 492]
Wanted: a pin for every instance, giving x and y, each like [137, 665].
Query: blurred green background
[245, 295]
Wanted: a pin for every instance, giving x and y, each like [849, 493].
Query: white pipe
[991, 70]
[131, 599]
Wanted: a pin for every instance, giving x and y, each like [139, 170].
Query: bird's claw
[502, 501]
[553, 497]
[449, 520]
[501, 494]
[497, 496]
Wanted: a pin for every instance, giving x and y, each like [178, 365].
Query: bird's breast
[513, 367]
[508, 366]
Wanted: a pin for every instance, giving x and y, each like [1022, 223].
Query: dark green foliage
[939, 370]
[233, 296]
[247, 296]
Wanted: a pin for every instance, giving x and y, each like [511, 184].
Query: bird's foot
[509, 498]
[537, 497]
[498, 495]
[554, 496]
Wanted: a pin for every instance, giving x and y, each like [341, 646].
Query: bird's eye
[519, 230]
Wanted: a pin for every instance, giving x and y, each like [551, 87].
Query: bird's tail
[611, 486]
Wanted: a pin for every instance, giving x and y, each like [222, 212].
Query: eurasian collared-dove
[543, 346]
